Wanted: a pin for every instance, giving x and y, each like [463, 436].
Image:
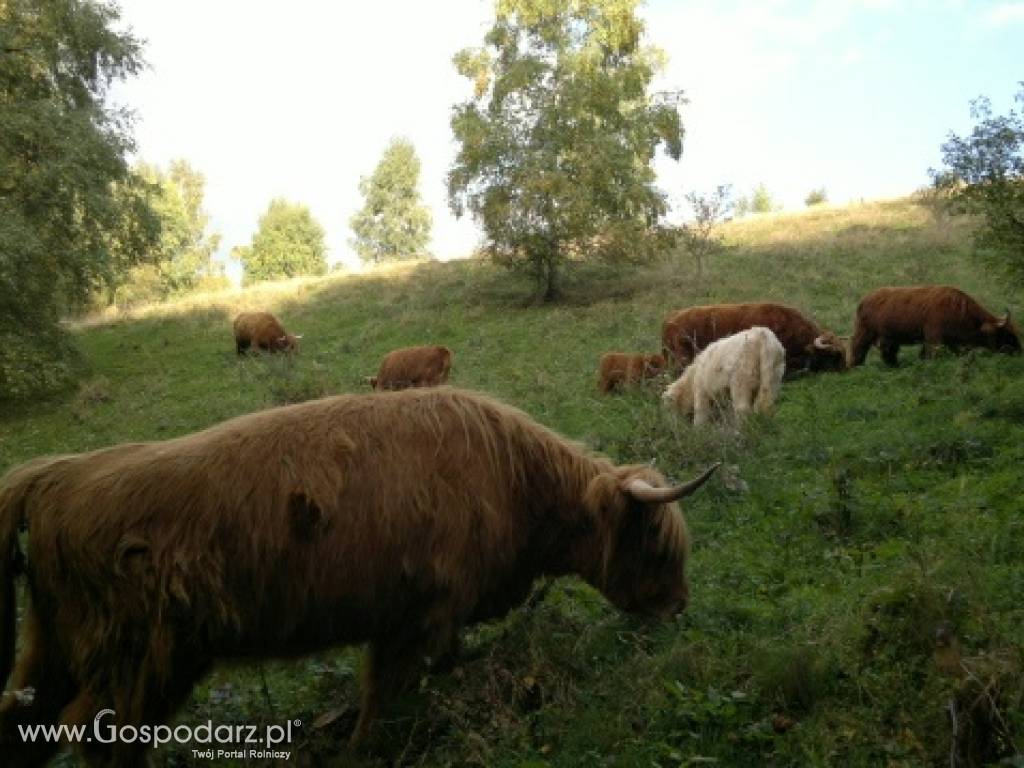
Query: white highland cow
[746, 367]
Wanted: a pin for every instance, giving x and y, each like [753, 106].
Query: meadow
[858, 564]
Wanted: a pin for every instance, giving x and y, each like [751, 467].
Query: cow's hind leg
[890, 352]
[742, 399]
[41, 688]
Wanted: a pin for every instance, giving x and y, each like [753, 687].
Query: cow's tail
[15, 490]
[772, 367]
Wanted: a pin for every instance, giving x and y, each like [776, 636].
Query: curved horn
[646, 493]
[298, 336]
[1006, 319]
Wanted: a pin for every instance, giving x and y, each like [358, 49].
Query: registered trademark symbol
[297, 723]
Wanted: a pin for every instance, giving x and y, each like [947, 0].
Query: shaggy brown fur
[686, 332]
[617, 368]
[393, 519]
[262, 331]
[930, 315]
[425, 366]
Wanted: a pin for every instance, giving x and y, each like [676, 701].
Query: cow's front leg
[388, 668]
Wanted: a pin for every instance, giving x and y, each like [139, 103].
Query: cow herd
[738, 353]
[392, 519]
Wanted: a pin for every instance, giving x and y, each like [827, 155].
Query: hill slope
[857, 571]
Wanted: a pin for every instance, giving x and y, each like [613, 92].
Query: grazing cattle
[930, 315]
[745, 368]
[393, 519]
[425, 366]
[261, 330]
[618, 368]
[688, 331]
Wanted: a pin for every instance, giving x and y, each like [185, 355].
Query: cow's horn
[298, 336]
[820, 343]
[644, 492]
[1006, 318]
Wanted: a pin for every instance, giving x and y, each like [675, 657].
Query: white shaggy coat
[745, 368]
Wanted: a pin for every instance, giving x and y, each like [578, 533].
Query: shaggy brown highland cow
[618, 368]
[425, 366]
[262, 331]
[930, 315]
[686, 332]
[392, 519]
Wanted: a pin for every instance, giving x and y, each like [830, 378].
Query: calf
[745, 368]
[424, 366]
[618, 368]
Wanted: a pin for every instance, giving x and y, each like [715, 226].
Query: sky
[299, 99]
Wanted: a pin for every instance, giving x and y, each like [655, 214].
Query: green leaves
[287, 243]
[984, 174]
[393, 223]
[557, 142]
[62, 155]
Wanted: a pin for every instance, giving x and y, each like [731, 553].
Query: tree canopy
[62, 151]
[983, 174]
[288, 242]
[182, 258]
[393, 223]
[556, 145]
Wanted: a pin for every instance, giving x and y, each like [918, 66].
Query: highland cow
[930, 315]
[392, 519]
[618, 368]
[261, 330]
[808, 347]
[425, 366]
[745, 368]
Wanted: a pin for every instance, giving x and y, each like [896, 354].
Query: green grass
[875, 518]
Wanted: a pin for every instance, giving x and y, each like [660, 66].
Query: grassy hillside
[857, 571]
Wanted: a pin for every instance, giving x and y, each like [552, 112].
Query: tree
[816, 197]
[700, 236]
[182, 259]
[287, 242]
[556, 145]
[62, 149]
[984, 174]
[393, 223]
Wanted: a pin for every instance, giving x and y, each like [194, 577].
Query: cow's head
[287, 343]
[644, 537]
[653, 365]
[826, 353]
[1002, 335]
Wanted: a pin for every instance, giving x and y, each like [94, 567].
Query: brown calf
[617, 368]
[425, 366]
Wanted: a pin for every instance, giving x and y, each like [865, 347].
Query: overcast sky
[299, 99]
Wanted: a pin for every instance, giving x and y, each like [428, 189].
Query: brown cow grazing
[617, 368]
[393, 519]
[425, 366]
[930, 315]
[262, 331]
[686, 332]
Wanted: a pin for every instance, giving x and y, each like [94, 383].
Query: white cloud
[1003, 14]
